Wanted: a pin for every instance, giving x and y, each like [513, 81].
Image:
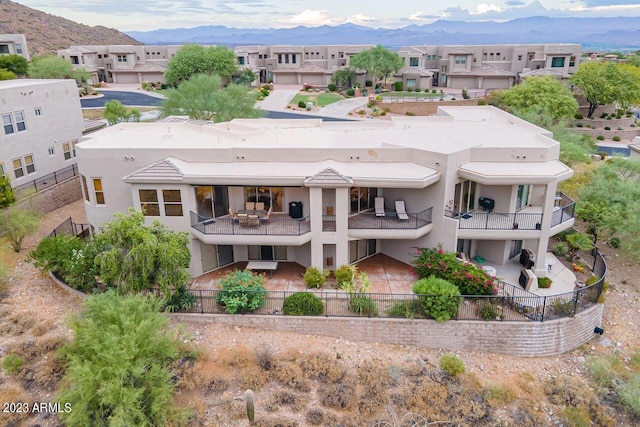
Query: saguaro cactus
[248, 397]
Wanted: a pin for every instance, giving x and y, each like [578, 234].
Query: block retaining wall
[526, 339]
[53, 197]
[422, 108]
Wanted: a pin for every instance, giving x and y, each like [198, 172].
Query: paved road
[130, 99]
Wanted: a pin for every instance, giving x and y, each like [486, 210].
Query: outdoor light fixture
[598, 330]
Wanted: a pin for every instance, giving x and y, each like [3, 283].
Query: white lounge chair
[249, 206]
[379, 206]
[400, 210]
[259, 206]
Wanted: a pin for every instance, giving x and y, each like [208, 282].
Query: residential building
[474, 179]
[41, 124]
[14, 44]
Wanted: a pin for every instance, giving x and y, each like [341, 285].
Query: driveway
[130, 99]
[277, 100]
[342, 108]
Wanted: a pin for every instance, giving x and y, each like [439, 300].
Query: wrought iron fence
[390, 221]
[272, 226]
[70, 227]
[49, 180]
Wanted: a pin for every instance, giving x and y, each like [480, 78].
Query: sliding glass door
[212, 200]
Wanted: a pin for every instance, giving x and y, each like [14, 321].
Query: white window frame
[96, 192]
[69, 150]
[122, 58]
[52, 150]
[8, 124]
[37, 111]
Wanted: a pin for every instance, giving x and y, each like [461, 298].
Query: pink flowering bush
[470, 279]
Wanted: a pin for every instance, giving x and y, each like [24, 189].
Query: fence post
[201, 302]
[326, 304]
[544, 308]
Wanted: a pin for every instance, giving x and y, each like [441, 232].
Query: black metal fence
[70, 227]
[511, 303]
[272, 226]
[47, 181]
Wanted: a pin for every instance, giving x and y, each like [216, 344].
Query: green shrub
[544, 282]
[181, 299]
[560, 249]
[12, 364]
[629, 394]
[433, 91]
[579, 125]
[607, 128]
[406, 309]
[315, 278]
[368, 83]
[616, 138]
[603, 115]
[562, 307]
[409, 89]
[398, 86]
[620, 128]
[470, 279]
[409, 113]
[418, 89]
[481, 102]
[16, 224]
[7, 195]
[302, 104]
[363, 305]
[350, 92]
[345, 274]
[602, 155]
[302, 304]
[438, 298]
[331, 87]
[241, 291]
[600, 137]
[487, 311]
[452, 364]
[578, 116]
[614, 242]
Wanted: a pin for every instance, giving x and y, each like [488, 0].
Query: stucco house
[14, 44]
[474, 179]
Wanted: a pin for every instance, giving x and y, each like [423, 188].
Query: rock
[482, 368]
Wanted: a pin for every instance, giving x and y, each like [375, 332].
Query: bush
[406, 309]
[579, 125]
[452, 364]
[616, 138]
[600, 138]
[7, 195]
[368, 83]
[410, 114]
[603, 155]
[409, 89]
[350, 92]
[433, 91]
[363, 305]
[482, 102]
[629, 393]
[578, 116]
[439, 298]
[614, 242]
[487, 311]
[181, 299]
[16, 224]
[603, 115]
[470, 279]
[544, 282]
[315, 278]
[345, 274]
[418, 89]
[12, 364]
[241, 291]
[302, 304]
[607, 128]
[302, 104]
[331, 87]
[398, 86]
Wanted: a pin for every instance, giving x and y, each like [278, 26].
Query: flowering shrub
[470, 279]
[241, 291]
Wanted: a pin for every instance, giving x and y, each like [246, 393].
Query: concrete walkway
[342, 108]
[277, 100]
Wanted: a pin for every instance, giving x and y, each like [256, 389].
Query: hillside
[46, 33]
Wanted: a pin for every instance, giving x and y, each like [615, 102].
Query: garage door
[285, 79]
[462, 82]
[313, 79]
[125, 78]
[153, 77]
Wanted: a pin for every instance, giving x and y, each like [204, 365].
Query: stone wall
[422, 108]
[53, 197]
[528, 339]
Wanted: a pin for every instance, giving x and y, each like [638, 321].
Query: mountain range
[592, 33]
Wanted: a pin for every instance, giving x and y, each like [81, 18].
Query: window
[98, 191]
[270, 196]
[411, 82]
[460, 60]
[286, 59]
[85, 187]
[279, 58]
[519, 57]
[362, 199]
[572, 61]
[359, 249]
[149, 202]
[37, 111]
[444, 68]
[267, 253]
[293, 59]
[28, 162]
[2, 170]
[122, 58]
[100, 56]
[69, 149]
[241, 60]
[8, 124]
[74, 60]
[52, 151]
[20, 124]
[413, 62]
[172, 202]
[23, 165]
[18, 48]
[557, 62]
[4, 49]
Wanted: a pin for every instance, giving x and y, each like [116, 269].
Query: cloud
[483, 8]
[608, 3]
[310, 18]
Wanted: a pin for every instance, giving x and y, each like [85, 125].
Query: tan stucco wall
[422, 108]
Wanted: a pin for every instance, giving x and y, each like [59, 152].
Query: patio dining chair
[379, 205]
[253, 221]
[243, 219]
[234, 217]
[249, 206]
[265, 219]
[401, 211]
[259, 206]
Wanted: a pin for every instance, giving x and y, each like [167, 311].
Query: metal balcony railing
[369, 220]
[272, 226]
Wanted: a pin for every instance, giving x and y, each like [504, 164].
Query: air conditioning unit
[486, 203]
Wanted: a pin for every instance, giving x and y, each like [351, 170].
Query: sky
[147, 15]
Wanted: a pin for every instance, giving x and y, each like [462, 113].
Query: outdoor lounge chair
[380, 206]
[400, 210]
[259, 206]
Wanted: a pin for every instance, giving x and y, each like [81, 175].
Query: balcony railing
[369, 220]
[521, 220]
[272, 226]
[47, 181]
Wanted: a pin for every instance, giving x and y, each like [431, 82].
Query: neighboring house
[14, 44]
[41, 124]
[474, 179]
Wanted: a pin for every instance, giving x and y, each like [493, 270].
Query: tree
[378, 61]
[246, 77]
[544, 94]
[54, 67]
[14, 63]
[344, 76]
[16, 224]
[119, 364]
[606, 82]
[202, 97]
[7, 75]
[194, 59]
[115, 112]
[7, 194]
[138, 256]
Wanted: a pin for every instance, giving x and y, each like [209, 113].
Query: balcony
[529, 218]
[368, 225]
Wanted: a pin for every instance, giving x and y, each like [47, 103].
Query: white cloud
[486, 8]
[360, 19]
[309, 17]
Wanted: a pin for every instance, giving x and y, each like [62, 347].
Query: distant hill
[592, 33]
[46, 33]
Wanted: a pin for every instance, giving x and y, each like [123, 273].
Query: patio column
[342, 226]
[315, 217]
[540, 269]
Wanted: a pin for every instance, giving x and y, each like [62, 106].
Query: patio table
[270, 266]
[259, 213]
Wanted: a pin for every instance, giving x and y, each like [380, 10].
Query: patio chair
[401, 211]
[265, 218]
[234, 216]
[253, 221]
[379, 204]
[259, 206]
[243, 219]
[249, 206]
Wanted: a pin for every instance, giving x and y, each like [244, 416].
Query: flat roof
[7, 84]
[509, 173]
